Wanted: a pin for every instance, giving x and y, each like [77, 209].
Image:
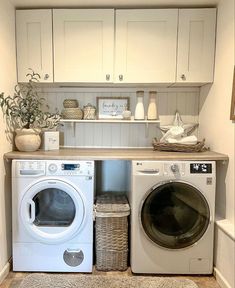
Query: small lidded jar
[89, 112]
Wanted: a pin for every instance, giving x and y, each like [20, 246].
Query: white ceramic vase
[139, 109]
[27, 140]
[152, 107]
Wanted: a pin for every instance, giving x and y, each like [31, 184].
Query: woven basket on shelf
[111, 232]
[72, 113]
[70, 103]
[174, 147]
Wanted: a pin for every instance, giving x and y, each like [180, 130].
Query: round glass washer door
[175, 215]
[52, 211]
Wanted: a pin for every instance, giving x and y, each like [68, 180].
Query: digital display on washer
[200, 168]
[70, 166]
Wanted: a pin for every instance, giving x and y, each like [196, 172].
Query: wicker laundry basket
[111, 237]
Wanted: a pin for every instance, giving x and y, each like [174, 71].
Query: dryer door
[52, 211]
[175, 215]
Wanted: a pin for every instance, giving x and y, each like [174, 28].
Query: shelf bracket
[73, 127]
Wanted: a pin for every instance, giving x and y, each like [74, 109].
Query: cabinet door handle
[46, 76]
[107, 77]
[183, 77]
[120, 77]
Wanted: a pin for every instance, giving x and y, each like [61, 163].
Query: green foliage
[25, 109]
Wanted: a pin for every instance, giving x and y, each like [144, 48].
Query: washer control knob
[175, 168]
[52, 168]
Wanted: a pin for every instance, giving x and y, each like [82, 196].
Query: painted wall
[219, 131]
[7, 83]
[185, 100]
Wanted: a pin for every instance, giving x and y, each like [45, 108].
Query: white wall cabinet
[83, 45]
[34, 44]
[142, 46]
[196, 45]
[145, 45]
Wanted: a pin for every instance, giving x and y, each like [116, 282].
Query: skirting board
[220, 279]
[4, 272]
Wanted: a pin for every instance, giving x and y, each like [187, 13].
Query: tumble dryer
[172, 217]
[52, 203]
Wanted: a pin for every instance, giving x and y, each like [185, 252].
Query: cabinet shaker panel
[83, 45]
[196, 45]
[145, 45]
[34, 43]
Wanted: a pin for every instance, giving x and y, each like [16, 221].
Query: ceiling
[112, 3]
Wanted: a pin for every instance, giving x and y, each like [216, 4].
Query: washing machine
[172, 217]
[52, 204]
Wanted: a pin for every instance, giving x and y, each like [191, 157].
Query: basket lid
[112, 203]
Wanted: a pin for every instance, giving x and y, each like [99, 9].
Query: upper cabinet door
[34, 44]
[83, 45]
[196, 45]
[145, 45]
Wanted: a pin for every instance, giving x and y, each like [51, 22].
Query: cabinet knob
[120, 77]
[46, 76]
[107, 77]
[183, 77]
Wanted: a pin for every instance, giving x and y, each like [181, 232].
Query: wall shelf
[111, 121]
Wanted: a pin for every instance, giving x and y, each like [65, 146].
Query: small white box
[50, 140]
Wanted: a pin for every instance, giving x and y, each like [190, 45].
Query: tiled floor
[14, 278]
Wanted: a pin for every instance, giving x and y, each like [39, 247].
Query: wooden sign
[112, 107]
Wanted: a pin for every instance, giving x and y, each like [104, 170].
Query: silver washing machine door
[174, 215]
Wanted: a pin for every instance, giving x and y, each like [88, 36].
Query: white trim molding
[220, 279]
[227, 227]
[4, 272]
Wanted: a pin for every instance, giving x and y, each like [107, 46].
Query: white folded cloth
[191, 140]
[174, 132]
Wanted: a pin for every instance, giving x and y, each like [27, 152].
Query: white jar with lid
[89, 112]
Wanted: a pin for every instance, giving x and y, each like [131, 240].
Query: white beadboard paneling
[107, 135]
[69, 137]
[98, 134]
[124, 132]
[162, 103]
[116, 135]
[181, 102]
[88, 134]
[171, 103]
[191, 107]
[133, 135]
[185, 100]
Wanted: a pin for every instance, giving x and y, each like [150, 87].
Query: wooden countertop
[113, 154]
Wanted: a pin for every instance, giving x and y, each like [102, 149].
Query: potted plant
[27, 113]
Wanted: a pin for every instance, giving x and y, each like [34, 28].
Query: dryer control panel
[38, 168]
[70, 168]
[29, 168]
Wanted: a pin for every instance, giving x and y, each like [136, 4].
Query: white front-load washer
[52, 203]
[172, 217]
